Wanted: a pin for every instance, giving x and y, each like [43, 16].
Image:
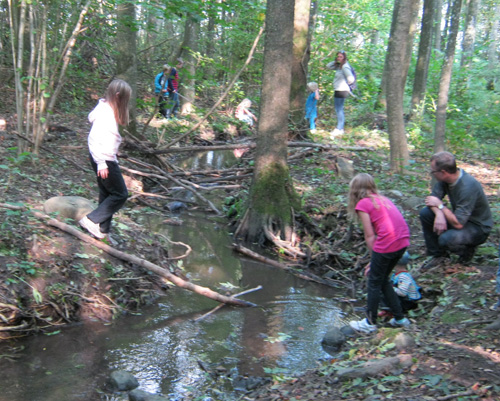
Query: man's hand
[433, 201]
[440, 224]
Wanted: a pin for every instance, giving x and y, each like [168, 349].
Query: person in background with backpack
[162, 84]
[173, 93]
[344, 78]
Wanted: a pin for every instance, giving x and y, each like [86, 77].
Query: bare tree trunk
[470, 32]
[397, 51]
[492, 48]
[272, 195]
[301, 55]
[56, 80]
[445, 80]
[189, 48]
[126, 59]
[437, 24]
[414, 9]
[424, 55]
[17, 27]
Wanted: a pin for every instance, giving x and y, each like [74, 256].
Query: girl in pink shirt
[387, 237]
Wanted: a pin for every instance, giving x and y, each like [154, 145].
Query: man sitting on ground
[463, 226]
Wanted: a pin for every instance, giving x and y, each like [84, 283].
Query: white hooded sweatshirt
[104, 137]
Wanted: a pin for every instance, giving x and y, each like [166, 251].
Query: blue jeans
[174, 98]
[112, 196]
[338, 102]
[381, 266]
[459, 242]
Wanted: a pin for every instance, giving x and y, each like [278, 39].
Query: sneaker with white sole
[363, 326]
[91, 227]
[404, 322]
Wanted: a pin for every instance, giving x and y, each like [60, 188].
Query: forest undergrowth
[49, 278]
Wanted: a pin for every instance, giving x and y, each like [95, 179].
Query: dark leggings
[112, 195]
[381, 266]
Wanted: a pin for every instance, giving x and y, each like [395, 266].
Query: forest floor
[49, 278]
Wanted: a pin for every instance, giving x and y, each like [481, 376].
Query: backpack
[354, 85]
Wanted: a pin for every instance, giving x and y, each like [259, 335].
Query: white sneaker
[312, 131]
[363, 326]
[336, 132]
[404, 322]
[91, 227]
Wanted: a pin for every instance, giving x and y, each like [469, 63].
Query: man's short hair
[445, 161]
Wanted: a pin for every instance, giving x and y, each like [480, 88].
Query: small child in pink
[387, 237]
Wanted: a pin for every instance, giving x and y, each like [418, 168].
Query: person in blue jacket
[312, 105]
[163, 85]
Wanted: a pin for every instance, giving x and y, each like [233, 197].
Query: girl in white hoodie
[104, 141]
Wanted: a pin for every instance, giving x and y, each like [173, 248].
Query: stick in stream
[179, 282]
[263, 259]
[221, 305]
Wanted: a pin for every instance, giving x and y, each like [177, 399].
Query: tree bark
[126, 59]
[271, 198]
[469, 32]
[301, 55]
[492, 48]
[397, 49]
[189, 48]
[437, 24]
[445, 80]
[424, 55]
[414, 9]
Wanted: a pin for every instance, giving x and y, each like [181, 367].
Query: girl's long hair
[118, 96]
[361, 186]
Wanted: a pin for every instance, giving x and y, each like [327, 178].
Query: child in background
[243, 112]
[387, 236]
[104, 140]
[312, 105]
[163, 86]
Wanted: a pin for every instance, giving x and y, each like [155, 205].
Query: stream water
[163, 345]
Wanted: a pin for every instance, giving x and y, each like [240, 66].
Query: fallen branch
[251, 146]
[303, 275]
[167, 176]
[179, 282]
[221, 305]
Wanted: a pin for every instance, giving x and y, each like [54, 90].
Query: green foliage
[23, 267]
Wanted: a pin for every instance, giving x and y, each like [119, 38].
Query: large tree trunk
[469, 32]
[387, 78]
[492, 47]
[189, 48]
[414, 9]
[445, 80]
[301, 54]
[272, 195]
[397, 49]
[126, 58]
[424, 55]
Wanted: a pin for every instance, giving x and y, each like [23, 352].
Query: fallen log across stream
[179, 282]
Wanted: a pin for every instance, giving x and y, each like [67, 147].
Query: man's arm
[444, 215]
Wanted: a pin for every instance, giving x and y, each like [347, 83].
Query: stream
[165, 347]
